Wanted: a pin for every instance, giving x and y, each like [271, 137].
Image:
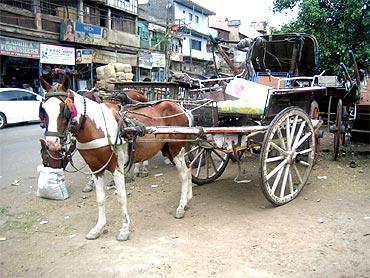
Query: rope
[171, 116]
[92, 172]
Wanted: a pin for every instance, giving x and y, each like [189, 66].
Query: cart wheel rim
[207, 163]
[287, 155]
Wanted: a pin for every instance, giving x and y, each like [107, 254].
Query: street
[19, 151]
[230, 230]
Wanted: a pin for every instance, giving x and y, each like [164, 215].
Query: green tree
[338, 25]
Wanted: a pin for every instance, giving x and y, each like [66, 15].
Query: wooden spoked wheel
[287, 155]
[207, 162]
[337, 129]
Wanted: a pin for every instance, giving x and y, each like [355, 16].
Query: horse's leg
[144, 169]
[100, 199]
[186, 185]
[119, 180]
[190, 183]
[89, 185]
[137, 169]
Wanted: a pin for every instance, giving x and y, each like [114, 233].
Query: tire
[2, 120]
[207, 163]
[287, 153]
[337, 131]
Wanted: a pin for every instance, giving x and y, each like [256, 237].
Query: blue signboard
[83, 33]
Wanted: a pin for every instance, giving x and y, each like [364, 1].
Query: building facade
[75, 35]
[188, 23]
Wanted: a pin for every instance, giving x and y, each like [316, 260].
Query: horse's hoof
[143, 174]
[129, 179]
[123, 235]
[180, 212]
[87, 188]
[92, 235]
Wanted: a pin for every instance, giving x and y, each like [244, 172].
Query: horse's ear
[43, 144]
[65, 83]
[47, 87]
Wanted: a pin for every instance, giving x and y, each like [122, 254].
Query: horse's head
[57, 112]
[52, 159]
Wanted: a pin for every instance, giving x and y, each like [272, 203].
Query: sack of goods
[114, 72]
[51, 183]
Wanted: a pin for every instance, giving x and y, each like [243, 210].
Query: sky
[247, 11]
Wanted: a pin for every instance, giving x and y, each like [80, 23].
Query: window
[25, 96]
[190, 16]
[123, 22]
[8, 95]
[196, 19]
[22, 4]
[195, 44]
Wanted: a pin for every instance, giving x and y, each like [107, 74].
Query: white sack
[129, 76]
[109, 72]
[51, 183]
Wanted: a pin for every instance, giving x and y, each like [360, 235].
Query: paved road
[19, 152]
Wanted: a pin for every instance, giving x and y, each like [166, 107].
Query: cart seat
[247, 97]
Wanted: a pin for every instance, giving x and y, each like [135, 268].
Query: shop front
[84, 67]
[19, 63]
[158, 67]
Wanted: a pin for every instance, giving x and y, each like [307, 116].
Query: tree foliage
[338, 25]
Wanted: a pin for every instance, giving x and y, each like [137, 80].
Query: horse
[97, 127]
[56, 159]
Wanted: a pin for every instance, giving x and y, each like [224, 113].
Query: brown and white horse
[60, 160]
[95, 127]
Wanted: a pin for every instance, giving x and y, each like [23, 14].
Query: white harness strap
[94, 144]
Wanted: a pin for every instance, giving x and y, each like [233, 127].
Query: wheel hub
[291, 158]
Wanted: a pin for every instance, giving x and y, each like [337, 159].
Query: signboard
[106, 57]
[145, 60]
[75, 31]
[177, 57]
[155, 27]
[84, 56]
[159, 60]
[53, 54]
[19, 48]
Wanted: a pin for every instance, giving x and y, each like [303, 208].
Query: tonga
[277, 126]
[296, 55]
[346, 97]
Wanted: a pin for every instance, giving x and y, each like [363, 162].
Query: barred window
[22, 4]
[123, 22]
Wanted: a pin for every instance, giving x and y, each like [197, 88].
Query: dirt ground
[230, 230]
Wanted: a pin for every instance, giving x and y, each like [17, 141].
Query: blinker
[73, 122]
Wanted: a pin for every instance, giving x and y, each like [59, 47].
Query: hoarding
[75, 31]
[54, 54]
[145, 60]
[19, 48]
[159, 60]
[84, 56]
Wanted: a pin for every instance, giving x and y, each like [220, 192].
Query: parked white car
[18, 105]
